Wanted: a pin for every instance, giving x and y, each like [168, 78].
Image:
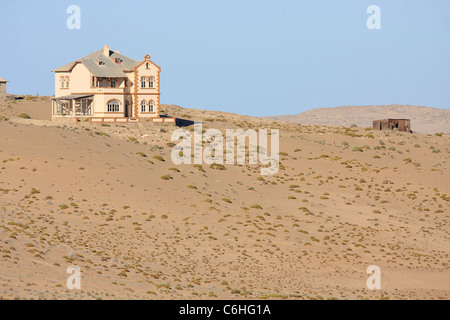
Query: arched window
[143, 106]
[150, 82]
[150, 106]
[113, 106]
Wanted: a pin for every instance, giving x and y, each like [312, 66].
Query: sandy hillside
[108, 199]
[423, 119]
[35, 107]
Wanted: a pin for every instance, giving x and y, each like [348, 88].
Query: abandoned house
[106, 86]
[392, 124]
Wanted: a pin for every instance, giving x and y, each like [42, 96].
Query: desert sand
[108, 199]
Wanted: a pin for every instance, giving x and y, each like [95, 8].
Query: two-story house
[107, 86]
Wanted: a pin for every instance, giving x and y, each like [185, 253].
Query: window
[67, 82]
[117, 60]
[150, 106]
[146, 65]
[97, 84]
[62, 82]
[126, 83]
[113, 83]
[143, 106]
[143, 82]
[113, 106]
[150, 82]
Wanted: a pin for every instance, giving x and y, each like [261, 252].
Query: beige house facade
[106, 86]
[3, 87]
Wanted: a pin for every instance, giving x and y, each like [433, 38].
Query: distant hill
[423, 119]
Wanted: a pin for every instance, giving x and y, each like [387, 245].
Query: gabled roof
[100, 64]
[3, 80]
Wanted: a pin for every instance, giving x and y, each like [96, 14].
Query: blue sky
[251, 57]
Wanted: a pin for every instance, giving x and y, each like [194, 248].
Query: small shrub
[217, 166]
[199, 167]
[24, 115]
[158, 157]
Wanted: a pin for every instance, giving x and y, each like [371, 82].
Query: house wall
[2, 89]
[147, 93]
[393, 124]
[79, 81]
[130, 94]
[400, 124]
[101, 105]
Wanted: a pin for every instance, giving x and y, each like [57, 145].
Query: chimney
[106, 50]
[117, 51]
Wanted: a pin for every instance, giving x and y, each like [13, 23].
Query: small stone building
[392, 124]
[3, 87]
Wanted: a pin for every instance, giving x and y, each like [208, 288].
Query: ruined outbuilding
[393, 124]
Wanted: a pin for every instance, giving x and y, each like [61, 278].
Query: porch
[75, 105]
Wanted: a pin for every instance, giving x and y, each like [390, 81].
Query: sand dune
[423, 119]
[344, 198]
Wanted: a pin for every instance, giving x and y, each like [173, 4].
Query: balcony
[109, 90]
